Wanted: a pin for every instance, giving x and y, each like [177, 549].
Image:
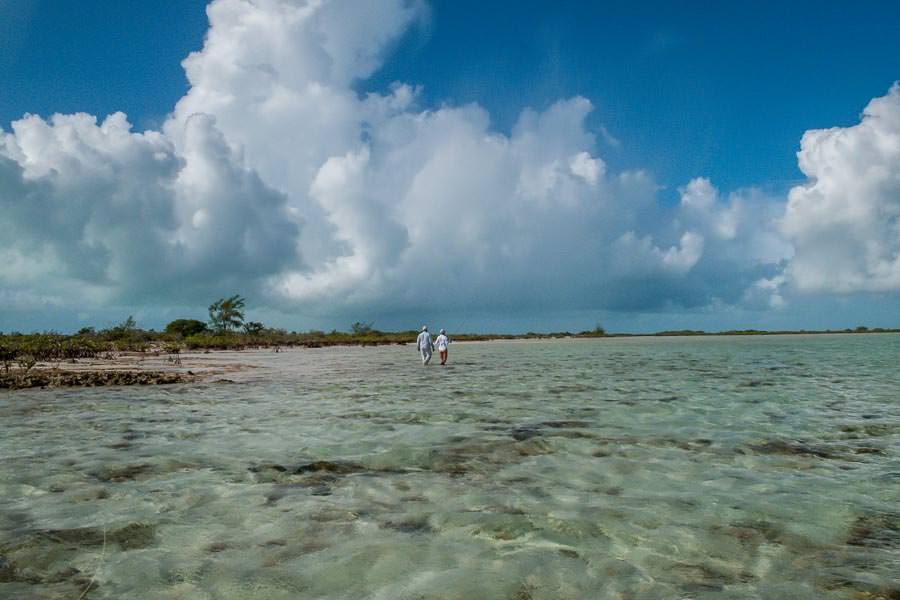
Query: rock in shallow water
[119, 473]
[793, 447]
[130, 537]
[339, 468]
[877, 530]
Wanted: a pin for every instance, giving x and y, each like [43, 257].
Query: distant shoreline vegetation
[227, 330]
[35, 359]
[25, 350]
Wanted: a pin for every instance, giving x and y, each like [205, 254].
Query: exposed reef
[52, 378]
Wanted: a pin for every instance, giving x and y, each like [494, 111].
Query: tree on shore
[7, 356]
[186, 327]
[597, 331]
[124, 328]
[254, 328]
[227, 313]
[360, 328]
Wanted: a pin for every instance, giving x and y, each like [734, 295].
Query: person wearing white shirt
[425, 345]
[442, 342]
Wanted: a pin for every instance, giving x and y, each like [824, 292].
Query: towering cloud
[845, 222]
[111, 214]
[275, 176]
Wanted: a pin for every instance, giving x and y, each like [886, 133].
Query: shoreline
[159, 366]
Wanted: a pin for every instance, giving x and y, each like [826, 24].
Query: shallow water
[757, 467]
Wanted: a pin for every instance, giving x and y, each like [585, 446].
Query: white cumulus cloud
[845, 221]
[274, 176]
[117, 214]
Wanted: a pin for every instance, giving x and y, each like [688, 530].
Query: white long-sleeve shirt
[442, 342]
[424, 341]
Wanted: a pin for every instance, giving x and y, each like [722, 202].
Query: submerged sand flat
[633, 468]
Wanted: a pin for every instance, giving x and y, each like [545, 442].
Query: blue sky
[720, 91]
[676, 83]
[97, 57]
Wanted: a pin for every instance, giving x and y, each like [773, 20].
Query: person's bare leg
[443, 357]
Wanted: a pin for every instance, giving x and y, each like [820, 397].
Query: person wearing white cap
[425, 345]
[442, 342]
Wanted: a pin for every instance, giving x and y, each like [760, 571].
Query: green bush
[130, 345]
[186, 327]
[360, 328]
[83, 347]
[8, 354]
[125, 329]
[253, 328]
[215, 341]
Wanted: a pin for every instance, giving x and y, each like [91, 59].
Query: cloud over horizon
[845, 221]
[274, 177]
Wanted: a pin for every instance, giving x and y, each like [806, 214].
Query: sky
[505, 166]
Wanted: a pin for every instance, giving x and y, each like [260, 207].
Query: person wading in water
[442, 342]
[425, 345]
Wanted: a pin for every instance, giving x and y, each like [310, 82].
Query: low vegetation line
[227, 329]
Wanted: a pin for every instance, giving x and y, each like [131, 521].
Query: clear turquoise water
[762, 467]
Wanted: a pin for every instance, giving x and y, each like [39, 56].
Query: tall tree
[227, 313]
